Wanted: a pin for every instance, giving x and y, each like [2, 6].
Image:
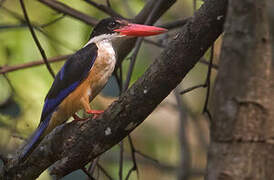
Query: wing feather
[74, 71]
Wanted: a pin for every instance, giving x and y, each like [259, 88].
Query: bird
[84, 75]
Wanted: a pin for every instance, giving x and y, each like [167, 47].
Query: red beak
[140, 30]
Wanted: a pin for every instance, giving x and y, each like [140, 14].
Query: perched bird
[84, 75]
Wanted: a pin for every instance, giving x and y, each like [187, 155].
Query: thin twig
[205, 109]
[132, 63]
[87, 173]
[52, 21]
[203, 61]
[104, 171]
[121, 160]
[60, 7]
[121, 78]
[105, 9]
[6, 69]
[37, 27]
[43, 54]
[108, 3]
[146, 156]
[129, 173]
[118, 73]
[192, 88]
[133, 150]
[13, 26]
[92, 166]
[185, 163]
[9, 82]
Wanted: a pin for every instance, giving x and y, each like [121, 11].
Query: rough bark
[75, 144]
[242, 129]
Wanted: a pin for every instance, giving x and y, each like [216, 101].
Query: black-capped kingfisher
[84, 75]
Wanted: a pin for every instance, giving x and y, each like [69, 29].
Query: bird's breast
[102, 69]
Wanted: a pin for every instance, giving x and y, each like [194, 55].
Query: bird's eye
[112, 25]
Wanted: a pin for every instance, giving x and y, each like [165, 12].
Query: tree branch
[75, 144]
[60, 7]
[105, 9]
[6, 69]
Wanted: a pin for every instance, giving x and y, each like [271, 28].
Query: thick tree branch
[75, 144]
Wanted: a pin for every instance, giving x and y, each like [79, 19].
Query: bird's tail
[35, 139]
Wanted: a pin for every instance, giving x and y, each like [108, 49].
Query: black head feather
[107, 26]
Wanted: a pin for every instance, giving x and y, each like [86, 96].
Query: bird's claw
[95, 113]
[77, 118]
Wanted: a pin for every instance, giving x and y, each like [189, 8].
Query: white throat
[104, 38]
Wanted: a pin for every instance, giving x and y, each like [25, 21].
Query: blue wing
[74, 71]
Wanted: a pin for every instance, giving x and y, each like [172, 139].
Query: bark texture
[242, 131]
[72, 146]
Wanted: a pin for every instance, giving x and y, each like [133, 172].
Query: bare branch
[93, 165]
[53, 21]
[207, 83]
[121, 160]
[129, 172]
[60, 7]
[203, 61]
[108, 3]
[146, 156]
[37, 27]
[105, 9]
[87, 173]
[134, 167]
[104, 171]
[185, 162]
[132, 63]
[6, 69]
[192, 88]
[42, 52]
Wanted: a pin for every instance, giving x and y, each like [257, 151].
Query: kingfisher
[84, 75]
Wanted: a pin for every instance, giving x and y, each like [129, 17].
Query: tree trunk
[242, 129]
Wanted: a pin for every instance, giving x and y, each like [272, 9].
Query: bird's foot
[95, 113]
[77, 118]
